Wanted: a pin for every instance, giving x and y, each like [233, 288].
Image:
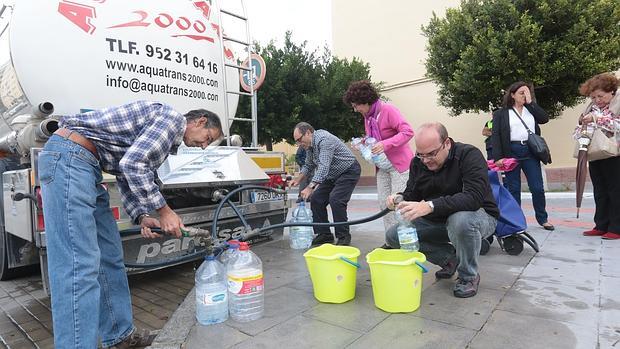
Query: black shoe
[447, 271]
[345, 241]
[138, 338]
[548, 226]
[386, 247]
[466, 289]
[323, 239]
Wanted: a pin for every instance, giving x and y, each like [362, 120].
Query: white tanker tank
[72, 56]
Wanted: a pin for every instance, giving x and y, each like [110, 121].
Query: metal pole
[255, 119]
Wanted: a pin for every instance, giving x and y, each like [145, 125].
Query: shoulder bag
[537, 145]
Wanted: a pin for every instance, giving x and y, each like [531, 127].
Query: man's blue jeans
[533, 173]
[458, 238]
[88, 282]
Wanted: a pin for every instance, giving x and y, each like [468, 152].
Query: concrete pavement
[563, 297]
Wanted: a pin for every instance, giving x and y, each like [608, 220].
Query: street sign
[258, 73]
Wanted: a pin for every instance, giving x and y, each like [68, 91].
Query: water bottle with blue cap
[211, 292]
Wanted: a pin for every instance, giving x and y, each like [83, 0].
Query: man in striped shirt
[336, 172]
[90, 293]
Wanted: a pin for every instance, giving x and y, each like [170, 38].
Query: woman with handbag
[512, 125]
[603, 113]
[385, 123]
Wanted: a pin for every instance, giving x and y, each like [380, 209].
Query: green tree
[482, 47]
[301, 86]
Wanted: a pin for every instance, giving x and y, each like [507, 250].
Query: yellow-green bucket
[333, 270]
[396, 277]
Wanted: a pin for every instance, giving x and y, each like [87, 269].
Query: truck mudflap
[142, 255]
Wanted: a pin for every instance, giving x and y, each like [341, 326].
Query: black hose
[229, 195]
[225, 200]
[335, 224]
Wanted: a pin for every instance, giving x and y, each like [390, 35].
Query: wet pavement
[563, 297]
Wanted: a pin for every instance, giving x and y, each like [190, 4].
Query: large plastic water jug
[380, 160]
[407, 234]
[231, 251]
[211, 292]
[301, 236]
[245, 285]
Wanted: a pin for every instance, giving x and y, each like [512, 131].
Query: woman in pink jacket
[385, 123]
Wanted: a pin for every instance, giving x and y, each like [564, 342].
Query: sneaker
[447, 270]
[466, 289]
[386, 247]
[610, 236]
[344, 241]
[323, 239]
[593, 232]
[138, 338]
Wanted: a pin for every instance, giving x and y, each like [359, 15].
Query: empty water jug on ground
[380, 160]
[211, 292]
[245, 285]
[230, 252]
[407, 234]
[301, 236]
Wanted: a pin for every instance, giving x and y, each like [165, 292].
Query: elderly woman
[604, 112]
[509, 140]
[385, 123]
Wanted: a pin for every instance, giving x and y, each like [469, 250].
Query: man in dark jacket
[449, 200]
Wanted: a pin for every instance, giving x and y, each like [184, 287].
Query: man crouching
[449, 199]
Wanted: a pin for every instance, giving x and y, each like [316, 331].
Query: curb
[177, 329]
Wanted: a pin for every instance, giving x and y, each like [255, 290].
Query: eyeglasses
[298, 140]
[431, 154]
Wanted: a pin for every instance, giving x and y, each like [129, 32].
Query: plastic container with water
[231, 251]
[245, 285]
[211, 292]
[301, 236]
[380, 160]
[407, 234]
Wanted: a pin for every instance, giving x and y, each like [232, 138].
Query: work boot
[138, 338]
[466, 289]
[344, 241]
[323, 239]
[447, 270]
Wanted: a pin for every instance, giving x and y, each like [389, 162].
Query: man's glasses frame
[298, 140]
[431, 154]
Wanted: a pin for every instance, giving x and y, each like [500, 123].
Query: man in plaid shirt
[90, 293]
[336, 172]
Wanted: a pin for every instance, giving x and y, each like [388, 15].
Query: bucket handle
[357, 265]
[419, 264]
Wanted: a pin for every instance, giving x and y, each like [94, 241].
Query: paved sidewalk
[563, 297]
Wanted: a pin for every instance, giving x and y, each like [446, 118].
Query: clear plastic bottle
[407, 234]
[301, 236]
[231, 251]
[245, 285]
[380, 160]
[359, 144]
[211, 292]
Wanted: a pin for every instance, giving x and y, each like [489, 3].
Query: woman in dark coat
[509, 140]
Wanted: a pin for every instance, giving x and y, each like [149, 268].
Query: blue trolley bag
[511, 224]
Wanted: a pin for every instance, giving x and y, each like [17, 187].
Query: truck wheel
[6, 273]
